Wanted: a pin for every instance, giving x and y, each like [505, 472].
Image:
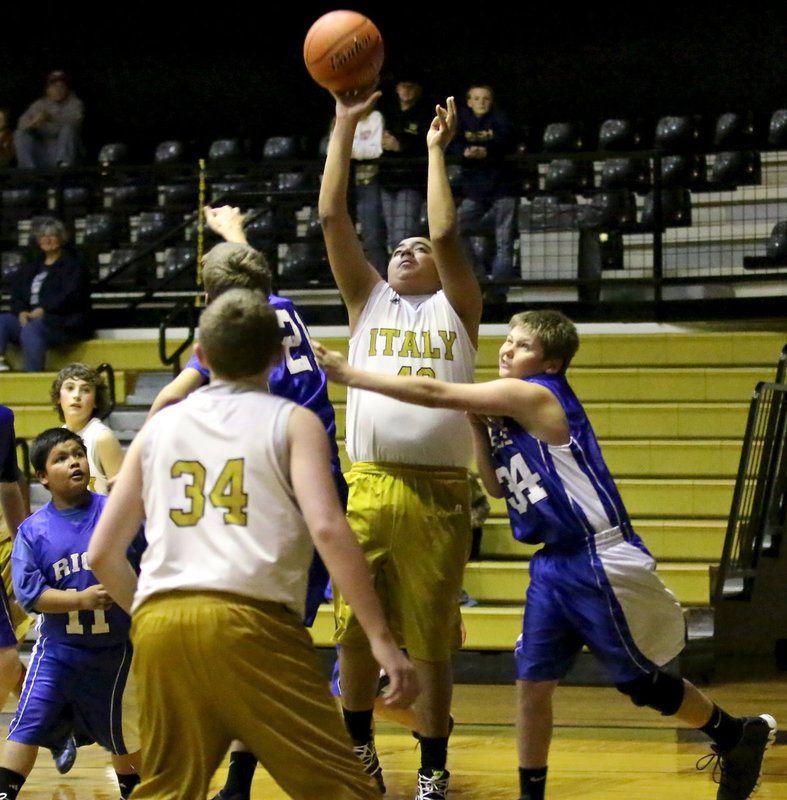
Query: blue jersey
[298, 377]
[558, 495]
[50, 552]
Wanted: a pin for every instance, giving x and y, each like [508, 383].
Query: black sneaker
[367, 754]
[432, 784]
[66, 756]
[737, 770]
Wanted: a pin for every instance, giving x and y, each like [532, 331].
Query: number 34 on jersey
[523, 485]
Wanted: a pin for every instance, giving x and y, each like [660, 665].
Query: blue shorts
[604, 595]
[80, 690]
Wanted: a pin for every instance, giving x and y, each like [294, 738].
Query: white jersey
[90, 435]
[401, 335]
[221, 513]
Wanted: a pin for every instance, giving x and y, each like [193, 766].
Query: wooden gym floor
[603, 748]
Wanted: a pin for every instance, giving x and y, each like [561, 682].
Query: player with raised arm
[409, 499]
[593, 582]
[235, 485]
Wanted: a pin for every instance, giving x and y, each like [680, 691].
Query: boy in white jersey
[409, 500]
[235, 485]
[593, 581]
[80, 396]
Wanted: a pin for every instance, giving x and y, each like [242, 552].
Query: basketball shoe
[367, 754]
[432, 784]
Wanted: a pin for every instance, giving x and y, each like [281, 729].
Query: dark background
[154, 71]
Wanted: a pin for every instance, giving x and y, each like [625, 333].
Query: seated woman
[50, 300]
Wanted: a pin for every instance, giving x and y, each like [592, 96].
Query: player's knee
[657, 690]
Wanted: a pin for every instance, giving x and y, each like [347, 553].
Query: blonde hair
[556, 332]
[231, 265]
[239, 334]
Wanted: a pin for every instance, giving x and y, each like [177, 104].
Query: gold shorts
[413, 524]
[20, 619]
[212, 667]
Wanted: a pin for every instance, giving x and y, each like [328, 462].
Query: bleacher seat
[675, 209]
[736, 168]
[180, 267]
[733, 130]
[610, 211]
[119, 273]
[153, 225]
[684, 171]
[677, 134]
[625, 173]
[103, 230]
[78, 200]
[11, 262]
[21, 202]
[281, 147]
[178, 196]
[777, 129]
[225, 150]
[618, 134]
[130, 197]
[113, 153]
[169, 152]
[302, 261]
[567, 175]
[562, 137]
[776, 246]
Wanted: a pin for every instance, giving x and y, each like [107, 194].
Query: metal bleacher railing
[660, 224]
[757, 521]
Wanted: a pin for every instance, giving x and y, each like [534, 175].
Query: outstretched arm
[354, 275]
[533, 406]
[453, 264]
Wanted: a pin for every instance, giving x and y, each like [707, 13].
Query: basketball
[343, 51]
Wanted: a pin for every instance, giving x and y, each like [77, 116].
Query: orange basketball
[343, 50]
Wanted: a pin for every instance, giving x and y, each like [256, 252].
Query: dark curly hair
[82, 372]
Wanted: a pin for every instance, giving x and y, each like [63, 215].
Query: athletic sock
[10, 783]
[240, 774]
[724, 729]
[434, 752]
[359, 725]
[532, 783]
[127, 783]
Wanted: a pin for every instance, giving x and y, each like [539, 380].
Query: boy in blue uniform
[77, 677]
[297, 377]
[593, 581]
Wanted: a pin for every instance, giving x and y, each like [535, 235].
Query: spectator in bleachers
[49, 131]
[485, 137]
[403, 188]
[366, 152]
[7, 151]
[50, 300]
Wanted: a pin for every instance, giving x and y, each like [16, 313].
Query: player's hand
[227, 221]
[333, 363]
[443, 127]
[356, 103]
[403, 687]
[95, 596]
